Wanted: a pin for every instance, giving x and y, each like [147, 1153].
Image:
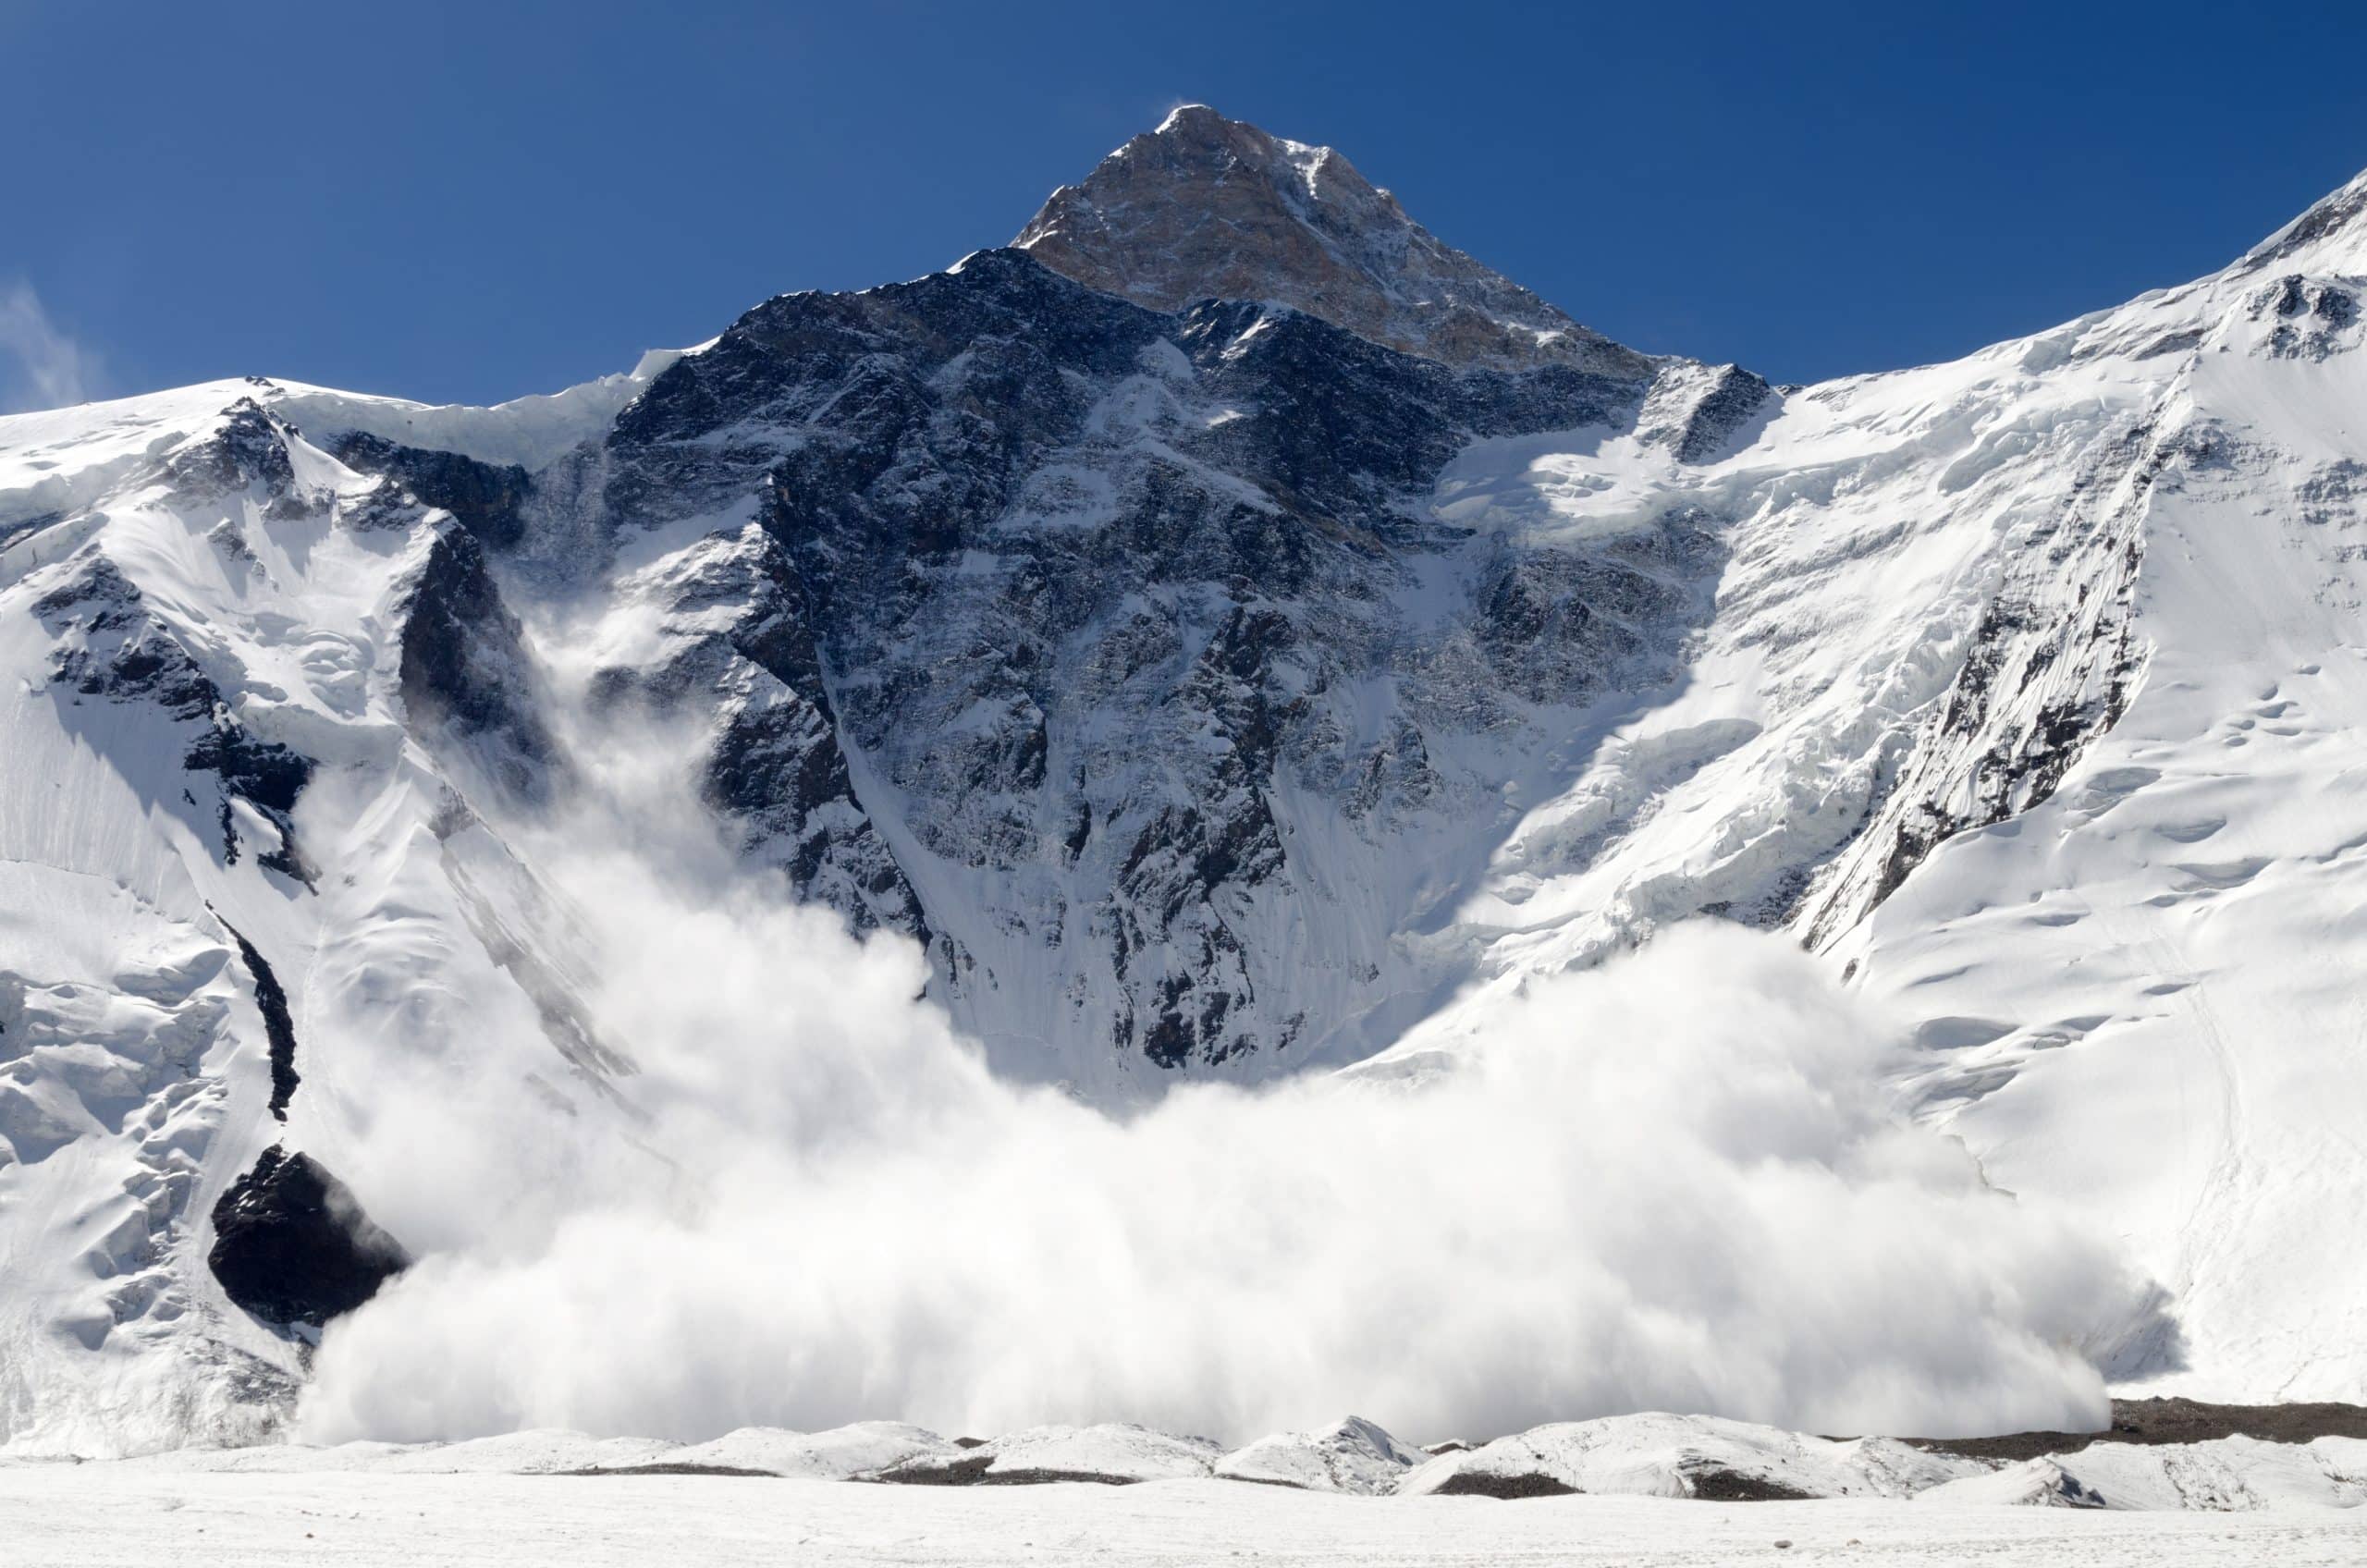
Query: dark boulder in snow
[292, 1245]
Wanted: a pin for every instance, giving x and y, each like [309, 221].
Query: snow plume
[1673, 1183]
[41, 367]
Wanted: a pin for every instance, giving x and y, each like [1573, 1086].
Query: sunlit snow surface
[143, 1512]
[2140, 996]
[566, 1497]
[2136, 998]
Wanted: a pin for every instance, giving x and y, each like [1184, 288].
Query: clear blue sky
[472, 201]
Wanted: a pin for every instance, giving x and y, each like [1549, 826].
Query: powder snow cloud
[1674, 1183]
[41, 366]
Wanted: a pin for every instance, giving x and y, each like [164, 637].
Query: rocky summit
[1207, 208]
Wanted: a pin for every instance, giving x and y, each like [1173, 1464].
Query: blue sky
[470, 201]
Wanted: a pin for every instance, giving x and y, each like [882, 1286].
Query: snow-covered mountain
[1207, 208]
[1236, 633]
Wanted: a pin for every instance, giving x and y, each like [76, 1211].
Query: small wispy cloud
[41, 366]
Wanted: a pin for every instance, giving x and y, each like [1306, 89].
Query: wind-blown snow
[531, 432]
[810, 1204]
[841, 1213]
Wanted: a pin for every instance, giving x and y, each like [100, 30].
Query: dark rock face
[279, 1029]
[488, 499]
[2052, 664]
[1107, 651]
[1735, 396]
[112, 647]
[2312, 316]
[292, 1245]
[1209, 208]
[1052, 596]
[465, 677]
[468, 686]
[466, 680]
[247, 453]
[743, 643]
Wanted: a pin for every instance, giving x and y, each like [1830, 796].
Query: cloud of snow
[41, 367]
[1675, 1183]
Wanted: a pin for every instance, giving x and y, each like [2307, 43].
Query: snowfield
[1690, 1458]
[102, 1515]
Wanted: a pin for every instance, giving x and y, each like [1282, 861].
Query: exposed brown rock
[1205, 207]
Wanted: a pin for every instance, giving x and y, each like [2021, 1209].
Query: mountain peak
[1205, 207]
[2331, 235]
[1192, 120]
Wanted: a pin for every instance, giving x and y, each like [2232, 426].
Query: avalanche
[1221, 663]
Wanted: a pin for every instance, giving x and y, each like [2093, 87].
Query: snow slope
[1215, 692]
[2028, 701]
[226, 625]
[2142, 994]
[1354, 1456]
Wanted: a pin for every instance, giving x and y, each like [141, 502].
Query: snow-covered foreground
[94, 1515]
[1651, 1454]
